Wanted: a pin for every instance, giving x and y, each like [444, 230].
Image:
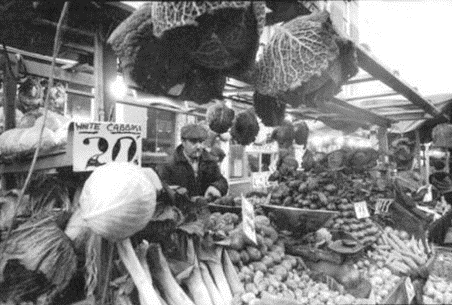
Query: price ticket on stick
[98, 143]
[249, 227]
[259, 180]
[409, 288]
[382, 205]
[361, 209]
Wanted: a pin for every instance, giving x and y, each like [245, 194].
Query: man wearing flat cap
[192, 167]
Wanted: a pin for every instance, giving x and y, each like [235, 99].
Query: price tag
[382, 205]
[268, 198]
[410, 293]
[259, 180]
[99, 143]
[361, 210]
[249, 228]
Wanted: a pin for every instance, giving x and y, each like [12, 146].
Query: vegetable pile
[195, 44]
[328, 190]
[382, 279]
[335, 191]
[400, 252]
[39, 260]
[279, 277]
[437, 290]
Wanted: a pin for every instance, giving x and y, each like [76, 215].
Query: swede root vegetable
[216, 269]
[231, 275]
[214, 293]
[172, 292]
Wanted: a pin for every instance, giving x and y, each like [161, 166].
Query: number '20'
[102, 146]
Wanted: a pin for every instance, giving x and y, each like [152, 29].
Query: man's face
[193, 147]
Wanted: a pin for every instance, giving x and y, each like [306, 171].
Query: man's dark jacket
[178, 171]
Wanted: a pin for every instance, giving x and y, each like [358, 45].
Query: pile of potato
[288, 279]
[382, 279]
[437, 290]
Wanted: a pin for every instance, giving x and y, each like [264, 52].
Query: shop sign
[98, 143]
[382, 205]
[267, 148]
[361, 209]
[409, 288]
[249, 228]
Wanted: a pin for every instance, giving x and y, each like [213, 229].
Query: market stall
[90, 224]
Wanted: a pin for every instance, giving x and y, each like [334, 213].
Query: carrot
[399, 242]
[416, 258]
[409, 262]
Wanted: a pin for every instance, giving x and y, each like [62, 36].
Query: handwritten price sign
[361, 209]
[382, 205]
[99, 143]
[248, 220]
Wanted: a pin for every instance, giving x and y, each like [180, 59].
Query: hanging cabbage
[269, 110]
[301, 133]
[284, 134]
[305, 62]
[220, 117]
[245, 127]
[197, 44]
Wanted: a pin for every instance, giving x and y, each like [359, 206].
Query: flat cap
[194, 131]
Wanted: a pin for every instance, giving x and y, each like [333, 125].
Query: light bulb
[118, 87]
